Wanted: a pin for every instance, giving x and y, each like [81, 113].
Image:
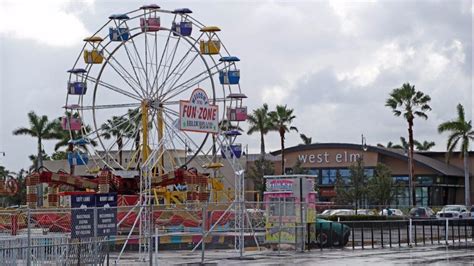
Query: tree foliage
[355, 191]
[259, 121]
[461, 133]
[382, 190]
[282, 119]
[406, 101]
[256, 172]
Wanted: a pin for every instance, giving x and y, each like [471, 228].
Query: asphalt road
[426, 255]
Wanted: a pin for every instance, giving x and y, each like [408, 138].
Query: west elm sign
[326, 157]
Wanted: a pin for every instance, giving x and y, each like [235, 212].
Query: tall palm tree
[306, 140]
[41, 128]
[281, 119]
[115, 127]
[389, 145]
[410, 103]
[403, 144]
[460, 132]
[259, 121]
[425, 145]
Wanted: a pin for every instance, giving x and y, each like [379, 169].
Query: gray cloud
[299, 53]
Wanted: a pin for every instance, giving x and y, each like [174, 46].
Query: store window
[424, 180]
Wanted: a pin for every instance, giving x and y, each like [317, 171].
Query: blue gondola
[77, 158]
[229, 77]
[234, 150]
[77, 71]
[229, 59]
[119, 34]
[232, 133]
[76, 88]
[80, 142]
[182, 11]
[183, 28]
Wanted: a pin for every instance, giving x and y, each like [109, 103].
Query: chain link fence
[102, 235]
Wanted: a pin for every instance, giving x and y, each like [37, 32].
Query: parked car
[454, 211]
[328, 233]
[472, 211]
[422, 213]
[342, 212]
[365, 212]
[392, 212]
[327, 212]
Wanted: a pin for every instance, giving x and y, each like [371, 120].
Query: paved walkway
[432, 255]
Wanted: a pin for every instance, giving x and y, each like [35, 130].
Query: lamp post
[363, 145]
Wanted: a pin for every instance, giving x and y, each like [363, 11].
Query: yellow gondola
[93, 39]
[93, 56]
[210, 46]
[213, 165]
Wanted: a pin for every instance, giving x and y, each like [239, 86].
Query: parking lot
[431, 254]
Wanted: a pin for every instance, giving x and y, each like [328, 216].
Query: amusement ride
[153, 107]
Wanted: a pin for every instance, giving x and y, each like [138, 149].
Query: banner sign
[84, 221]
[82, 216]
[198, 114]
[106, 214]
[274, 185]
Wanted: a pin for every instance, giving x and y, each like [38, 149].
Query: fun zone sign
[198, 114]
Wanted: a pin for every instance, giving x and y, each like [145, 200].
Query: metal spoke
[158, 92]
[184, 87]
[107, 106]
[113, 88]
[125, 75]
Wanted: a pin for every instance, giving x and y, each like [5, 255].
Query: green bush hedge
[360, 218]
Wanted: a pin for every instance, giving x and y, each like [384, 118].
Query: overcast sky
[334, 62]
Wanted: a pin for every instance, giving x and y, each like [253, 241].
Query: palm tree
[403, 144]
[306, 140]
[460, 131]
[425, 145]
[389, 145]
[115, 127]
[35, 162]
[410, 103]
[40, 128]
[259, 121]
[281, 120]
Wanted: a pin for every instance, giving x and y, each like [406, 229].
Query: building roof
[268, 157]
[419, 158]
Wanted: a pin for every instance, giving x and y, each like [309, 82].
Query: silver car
[453, 212]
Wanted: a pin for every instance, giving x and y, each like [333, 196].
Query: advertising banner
[198, 114]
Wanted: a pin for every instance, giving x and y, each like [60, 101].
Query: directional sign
[106, 214]
[82, 216]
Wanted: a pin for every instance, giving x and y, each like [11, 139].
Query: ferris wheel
[149, 83]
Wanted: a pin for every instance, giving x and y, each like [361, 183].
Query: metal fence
[47, 236]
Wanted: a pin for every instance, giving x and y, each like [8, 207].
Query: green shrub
[360, 218]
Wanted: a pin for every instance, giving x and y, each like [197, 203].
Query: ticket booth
[286, 217]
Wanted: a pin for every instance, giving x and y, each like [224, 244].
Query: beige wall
[400, 167]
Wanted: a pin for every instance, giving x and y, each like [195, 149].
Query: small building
[437, 182]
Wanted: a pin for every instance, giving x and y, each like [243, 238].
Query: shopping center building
[437, 182]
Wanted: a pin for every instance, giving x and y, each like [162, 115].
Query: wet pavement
[461, 254]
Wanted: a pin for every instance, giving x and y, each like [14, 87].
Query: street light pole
[364, 149]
